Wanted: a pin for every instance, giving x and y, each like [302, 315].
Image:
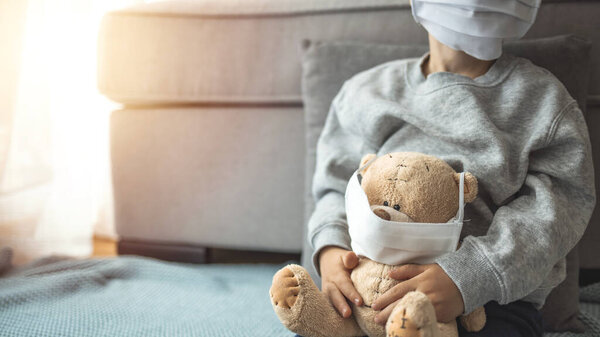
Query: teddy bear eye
[385, 203]
[397, 207]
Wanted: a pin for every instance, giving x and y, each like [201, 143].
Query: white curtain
[54, 161]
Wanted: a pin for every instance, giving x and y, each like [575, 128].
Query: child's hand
[429, 279]
[336, 264]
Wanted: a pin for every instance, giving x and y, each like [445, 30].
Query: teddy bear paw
[413, 316]
[400, 325]
[285, 289]
[474, 321]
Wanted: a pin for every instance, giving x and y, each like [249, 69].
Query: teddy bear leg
[475, 321]
[449, 329]
[305, 310]
[413, 316]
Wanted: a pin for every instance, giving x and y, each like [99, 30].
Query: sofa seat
[212, 177]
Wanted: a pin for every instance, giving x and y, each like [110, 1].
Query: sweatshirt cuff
[474, 275]
[329, 235]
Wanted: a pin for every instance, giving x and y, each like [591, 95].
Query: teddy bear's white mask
[393, 242]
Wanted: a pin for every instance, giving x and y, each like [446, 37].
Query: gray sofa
[208, 150]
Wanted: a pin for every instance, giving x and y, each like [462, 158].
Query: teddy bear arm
[474, 321]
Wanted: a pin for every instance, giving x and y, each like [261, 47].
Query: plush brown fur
[474, 321]
[425, 189]
[414, 316]
[311, 314]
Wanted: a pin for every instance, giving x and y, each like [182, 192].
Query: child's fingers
[339, 301]
[350, 260]
[407, 271]
[347, 288]
[397, 292]
[382, 317]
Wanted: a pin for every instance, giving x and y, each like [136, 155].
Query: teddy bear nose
[382, 214]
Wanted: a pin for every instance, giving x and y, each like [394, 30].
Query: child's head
[476, 27]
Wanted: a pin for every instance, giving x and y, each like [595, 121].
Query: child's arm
[339, 151]
[530, 234]
[527, 237]
[429, 279]
[336, 264]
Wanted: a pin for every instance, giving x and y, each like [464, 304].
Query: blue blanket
[132, 296]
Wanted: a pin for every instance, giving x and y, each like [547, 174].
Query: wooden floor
[104, 247]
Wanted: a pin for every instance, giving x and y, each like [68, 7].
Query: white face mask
[476, 27]
[393, 242]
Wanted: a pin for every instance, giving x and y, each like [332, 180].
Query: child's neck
[445, 59]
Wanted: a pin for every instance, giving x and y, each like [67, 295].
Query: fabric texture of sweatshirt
[516, 128]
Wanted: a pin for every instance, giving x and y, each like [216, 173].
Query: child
[510, 123]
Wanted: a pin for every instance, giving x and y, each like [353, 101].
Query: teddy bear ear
[365, 159]
[470, 186]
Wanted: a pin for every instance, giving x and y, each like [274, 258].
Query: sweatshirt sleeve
[339, 151]
[530, 234]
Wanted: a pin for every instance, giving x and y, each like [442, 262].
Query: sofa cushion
[247, 51]
[326, 65]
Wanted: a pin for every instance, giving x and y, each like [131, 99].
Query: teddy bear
[400, 186]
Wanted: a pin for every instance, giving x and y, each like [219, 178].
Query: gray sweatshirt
[516, 128]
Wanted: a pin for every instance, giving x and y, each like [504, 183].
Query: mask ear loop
[360, 169]
[461, 197]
